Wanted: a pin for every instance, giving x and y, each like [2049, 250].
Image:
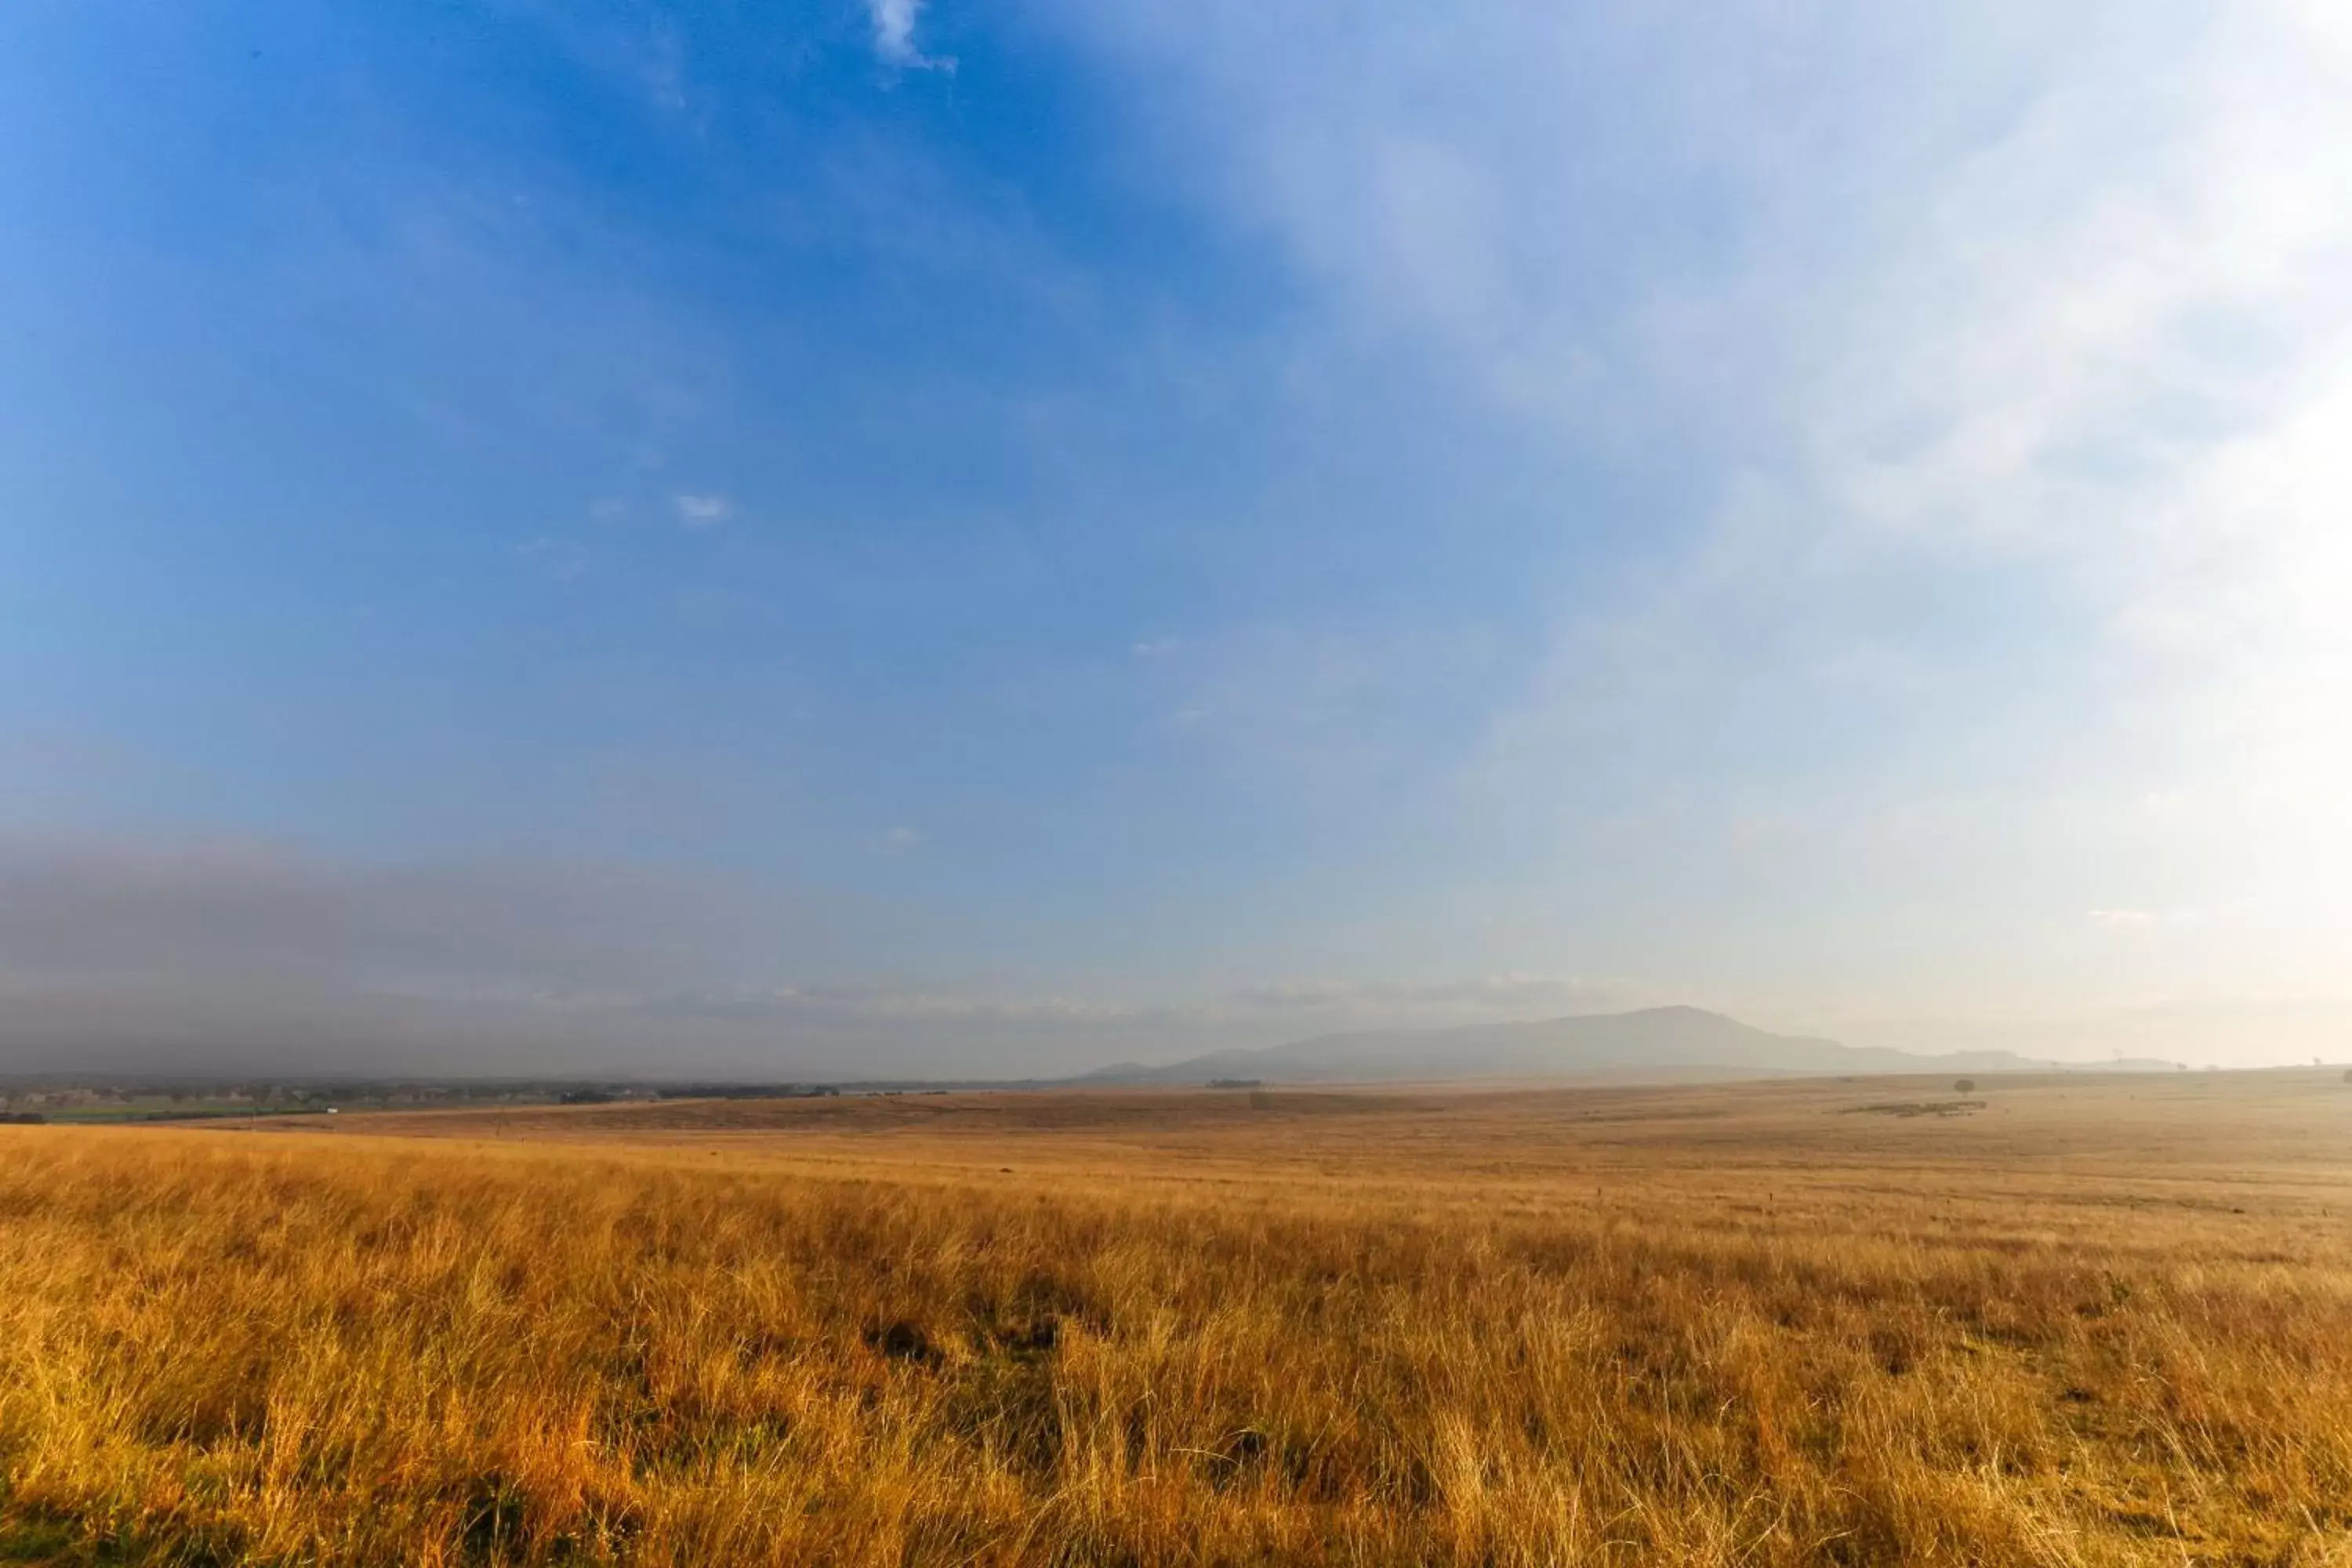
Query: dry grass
[2085, 1324]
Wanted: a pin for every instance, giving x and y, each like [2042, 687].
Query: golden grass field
[2091, 1321]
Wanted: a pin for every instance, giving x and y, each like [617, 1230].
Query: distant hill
[1675, 1042]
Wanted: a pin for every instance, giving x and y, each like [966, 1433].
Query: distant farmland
[2050, 1321]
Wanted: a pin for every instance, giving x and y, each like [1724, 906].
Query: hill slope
[1681, 1042]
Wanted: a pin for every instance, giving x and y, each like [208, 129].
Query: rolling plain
[2065, 1320]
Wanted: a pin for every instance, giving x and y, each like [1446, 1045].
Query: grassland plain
[2054, 1321]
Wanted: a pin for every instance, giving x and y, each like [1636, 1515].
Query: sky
[912, 537]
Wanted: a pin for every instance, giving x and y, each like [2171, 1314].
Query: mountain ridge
[1680, 1041]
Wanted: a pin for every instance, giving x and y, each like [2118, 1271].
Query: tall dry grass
[217, 1348]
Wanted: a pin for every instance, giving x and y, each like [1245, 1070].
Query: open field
[2064, 1321]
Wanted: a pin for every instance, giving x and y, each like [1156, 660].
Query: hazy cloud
[894, 35]
[894, 842]
[245, 956]
[1982, 373]
[231, 955]
[704, 511]
[1490, 997]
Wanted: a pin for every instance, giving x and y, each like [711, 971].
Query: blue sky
[926, 537]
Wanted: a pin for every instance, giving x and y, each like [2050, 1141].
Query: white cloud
[893, 843]
[1988, 368]
[894, 35]
[704, 511]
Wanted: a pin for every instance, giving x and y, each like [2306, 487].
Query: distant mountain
[1676, 1042]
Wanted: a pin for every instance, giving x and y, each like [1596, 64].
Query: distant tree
[1963, 1086]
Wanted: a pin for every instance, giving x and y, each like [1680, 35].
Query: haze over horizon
[920, 538]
